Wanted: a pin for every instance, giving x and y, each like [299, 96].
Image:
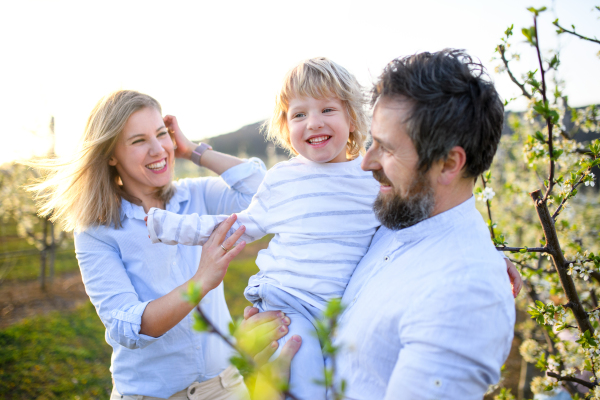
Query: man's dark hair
[453, 103]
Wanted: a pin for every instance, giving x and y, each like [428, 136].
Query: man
[429, 312]
[429, 308]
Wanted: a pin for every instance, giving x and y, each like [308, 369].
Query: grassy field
[64, 355]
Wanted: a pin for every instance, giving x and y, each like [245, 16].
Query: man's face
[406, 195]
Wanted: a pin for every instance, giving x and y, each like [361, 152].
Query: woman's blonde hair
[320, 78]
[83, 190]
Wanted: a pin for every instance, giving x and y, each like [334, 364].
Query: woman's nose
[155, 147]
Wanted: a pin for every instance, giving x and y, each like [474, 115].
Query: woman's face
[144, 154]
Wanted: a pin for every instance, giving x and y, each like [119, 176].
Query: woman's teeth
[158, 165]
[319, 139]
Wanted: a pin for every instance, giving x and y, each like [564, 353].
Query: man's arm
[454, 341]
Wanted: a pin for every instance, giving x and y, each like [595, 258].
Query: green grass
[57, 356]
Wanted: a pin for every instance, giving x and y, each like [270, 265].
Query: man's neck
[447, 197]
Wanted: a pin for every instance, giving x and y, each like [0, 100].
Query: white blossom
[486, 194]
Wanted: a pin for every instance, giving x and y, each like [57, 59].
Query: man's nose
[370, 162]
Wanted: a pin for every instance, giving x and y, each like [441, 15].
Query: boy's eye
[298, 115]
[328, 110]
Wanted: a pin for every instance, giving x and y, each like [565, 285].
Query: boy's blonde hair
[83, 190]
[320, 78]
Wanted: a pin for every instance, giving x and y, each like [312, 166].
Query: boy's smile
[319, 128]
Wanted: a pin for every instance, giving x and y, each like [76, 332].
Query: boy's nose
[315, 122]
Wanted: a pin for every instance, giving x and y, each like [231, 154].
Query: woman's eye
[137, 141]
[162, 133]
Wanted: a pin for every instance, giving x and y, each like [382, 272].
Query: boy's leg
[307, 365]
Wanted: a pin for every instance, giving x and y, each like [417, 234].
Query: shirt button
[386, 258]
[437, 383]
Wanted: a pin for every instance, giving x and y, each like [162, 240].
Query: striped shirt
[322, 218]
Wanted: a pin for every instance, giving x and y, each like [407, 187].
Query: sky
[218, 65]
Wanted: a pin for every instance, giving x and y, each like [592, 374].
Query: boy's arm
[193, 229]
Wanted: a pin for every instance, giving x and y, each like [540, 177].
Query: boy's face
[319, 128]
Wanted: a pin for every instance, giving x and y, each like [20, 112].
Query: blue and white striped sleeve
[111, 291]
[192, 230]
[233, 192]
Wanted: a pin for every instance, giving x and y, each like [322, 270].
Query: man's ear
[112, 161]
[452, 166]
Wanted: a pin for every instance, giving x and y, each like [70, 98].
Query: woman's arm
[167, 311]
[213, 160]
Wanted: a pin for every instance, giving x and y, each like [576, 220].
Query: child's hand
[184, 145]
[515, 278]
[146, 220]
[217, 253]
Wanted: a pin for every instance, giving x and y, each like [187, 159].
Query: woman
[123, 167]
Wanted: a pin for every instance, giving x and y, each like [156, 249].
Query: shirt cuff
[242, 171]
[130, 321]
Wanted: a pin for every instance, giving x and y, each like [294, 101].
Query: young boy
[318, 205]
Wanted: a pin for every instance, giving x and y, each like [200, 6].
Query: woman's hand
[515, 278]
[214, 260]
[184, 145]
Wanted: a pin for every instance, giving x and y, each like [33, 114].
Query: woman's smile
[158, 167]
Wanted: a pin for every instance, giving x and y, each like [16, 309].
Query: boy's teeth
[318, 139]
[157, 165]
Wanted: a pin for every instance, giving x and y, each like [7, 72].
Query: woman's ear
[112, 161]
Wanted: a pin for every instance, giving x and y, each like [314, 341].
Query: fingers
[264, 356]
[250, 311]
[289, 350]
[220, 233]
[256, 319]
[230, 255]
[231, 240]
[515, 278]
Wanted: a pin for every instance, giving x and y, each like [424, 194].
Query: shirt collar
[437, 223]
[134, 211]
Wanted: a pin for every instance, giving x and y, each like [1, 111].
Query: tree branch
[563, 30]
[560, 264]
[489, 210]
[556, 376]
[502, 51]
[567, 197]
[529, 249]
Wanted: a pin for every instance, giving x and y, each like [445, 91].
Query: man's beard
[396, 211]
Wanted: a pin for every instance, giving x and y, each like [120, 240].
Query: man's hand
[258, 337]
[515, 278]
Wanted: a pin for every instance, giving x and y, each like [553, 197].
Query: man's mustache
[381, 178]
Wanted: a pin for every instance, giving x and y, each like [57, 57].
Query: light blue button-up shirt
[123, 271]
[430, 313]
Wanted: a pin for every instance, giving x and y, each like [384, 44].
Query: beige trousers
[229, 385]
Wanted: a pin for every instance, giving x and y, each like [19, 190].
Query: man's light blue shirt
[430, 314]
[123, 271]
